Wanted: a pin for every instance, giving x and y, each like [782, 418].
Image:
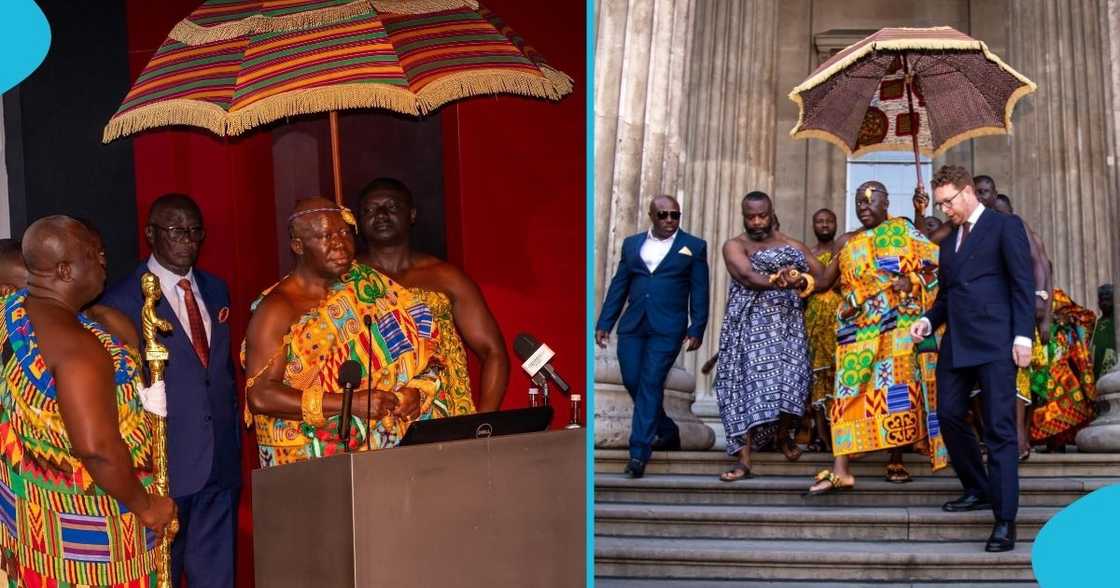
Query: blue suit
[659, 306]
[986, 299]
[203, 432]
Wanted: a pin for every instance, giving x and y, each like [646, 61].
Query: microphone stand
[369, 385]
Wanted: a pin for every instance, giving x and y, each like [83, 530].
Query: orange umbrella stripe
[303, 83]
[418, 83]
[414, 59]
[335, 54]
[183, 54]
[157, 83]
[401, 38]
[280, 43]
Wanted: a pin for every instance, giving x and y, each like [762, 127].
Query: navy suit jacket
[203, 434]
[674, 292]
[986, 291]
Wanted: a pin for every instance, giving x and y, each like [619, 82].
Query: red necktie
[198, 331]
[964, 235]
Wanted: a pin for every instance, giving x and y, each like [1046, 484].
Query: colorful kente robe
[401, 347]
[885, 394]
[455, 377]
[1104, 347]
[57, 528]
[820, 328]
[1063, 387]
[763, 366]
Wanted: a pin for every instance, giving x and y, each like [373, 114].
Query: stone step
[830, 561]
[612, 461]
[678, 583]
[788, 490]
[832, 523]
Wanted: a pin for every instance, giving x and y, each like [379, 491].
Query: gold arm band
[311, 404]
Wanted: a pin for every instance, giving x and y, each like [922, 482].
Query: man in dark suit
[203, 436]
[986, 301]
[663, 277]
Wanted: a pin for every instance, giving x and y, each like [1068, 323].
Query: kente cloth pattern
[239, 66]
[399, 350]
[820, 327]
[1063, 388]
[58, 528]
[884, 395]
[1104, 347]
[1023, 375]
[763, 366]
[454, 377]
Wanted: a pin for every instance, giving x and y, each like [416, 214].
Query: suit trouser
[1000, 481]
[204, 548]
[645, 359]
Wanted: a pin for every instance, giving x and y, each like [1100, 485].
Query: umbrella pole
[336, 160]
[914, 128]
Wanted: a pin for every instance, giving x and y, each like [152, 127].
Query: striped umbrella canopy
[233, 65]
[904, 89]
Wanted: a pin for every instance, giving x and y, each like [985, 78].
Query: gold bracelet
[810, 283]
[311, 404]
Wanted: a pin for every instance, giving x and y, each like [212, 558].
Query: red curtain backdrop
[514, 177]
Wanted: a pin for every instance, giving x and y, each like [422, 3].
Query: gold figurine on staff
[156, 355]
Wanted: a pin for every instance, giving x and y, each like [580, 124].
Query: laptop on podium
[479, 425]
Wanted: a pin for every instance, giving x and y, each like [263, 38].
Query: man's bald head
[64, 258]
[662, 210]
[309, 210]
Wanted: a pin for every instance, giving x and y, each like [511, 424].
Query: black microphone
[349, 376]
[528, 348]
[368, 320]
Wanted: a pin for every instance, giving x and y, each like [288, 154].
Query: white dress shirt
[655, 250]
[173, 294]
[972, 218]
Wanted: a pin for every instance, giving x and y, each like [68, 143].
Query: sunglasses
[664, 214]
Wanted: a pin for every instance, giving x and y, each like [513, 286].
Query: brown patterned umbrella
[904, 88]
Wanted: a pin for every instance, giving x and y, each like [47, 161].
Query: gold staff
[156, 355]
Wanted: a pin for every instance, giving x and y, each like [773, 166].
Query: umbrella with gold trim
[233, 65]
[903, 89]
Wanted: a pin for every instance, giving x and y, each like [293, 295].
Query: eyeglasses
[664, 214]
[195, 234]
[945, 204]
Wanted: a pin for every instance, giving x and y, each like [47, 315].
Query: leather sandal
[897, 474]
[835, 484]
[738, 472]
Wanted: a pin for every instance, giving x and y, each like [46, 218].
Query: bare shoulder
[117, 323]
[277, 309]
[432, 273]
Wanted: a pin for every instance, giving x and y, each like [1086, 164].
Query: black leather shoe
[667, 443]
[635, 469]
[1003, 537]
[966, 503]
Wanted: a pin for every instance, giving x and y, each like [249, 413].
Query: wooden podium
[503, 511]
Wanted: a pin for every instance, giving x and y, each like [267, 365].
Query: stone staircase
[680, 526]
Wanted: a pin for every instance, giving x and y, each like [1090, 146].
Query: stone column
[641, 57]
[730, 125]
[1103, 434]
[1063, 168]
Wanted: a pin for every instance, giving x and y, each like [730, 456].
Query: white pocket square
[686, 251]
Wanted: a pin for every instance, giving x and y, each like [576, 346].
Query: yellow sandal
[835, 484]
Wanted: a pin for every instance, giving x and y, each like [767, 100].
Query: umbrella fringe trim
[319, 100]
[422, 6]
[190, 33]
[553, 85]
[172, 112]
[950, 143]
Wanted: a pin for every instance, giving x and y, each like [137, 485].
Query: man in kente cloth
[75, 439]
[885, 394]
[303, 329]
[1042, 270]
[762, 374]
[820, 327]
[385, 217]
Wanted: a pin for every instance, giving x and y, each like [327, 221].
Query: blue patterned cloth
[763, 367]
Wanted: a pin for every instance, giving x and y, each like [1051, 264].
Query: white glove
[154, 399]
